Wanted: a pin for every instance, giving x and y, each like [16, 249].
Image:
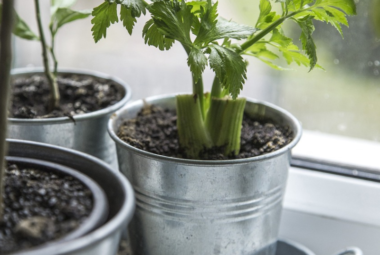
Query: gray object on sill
[89, 132]
[104, 240]
[205, 207]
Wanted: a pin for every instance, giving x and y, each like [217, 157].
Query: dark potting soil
[155, 130]
[79, 94]
[40, 206]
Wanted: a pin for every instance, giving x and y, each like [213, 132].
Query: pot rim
[80, 117]
[107, 229]
[118, 114]
[99, 210]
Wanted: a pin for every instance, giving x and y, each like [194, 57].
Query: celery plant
[60, 14]
[206, 121]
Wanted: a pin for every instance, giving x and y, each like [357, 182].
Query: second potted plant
[209, 170]
[68, 108]
[47, 192]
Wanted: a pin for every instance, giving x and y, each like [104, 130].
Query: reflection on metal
[205, 207]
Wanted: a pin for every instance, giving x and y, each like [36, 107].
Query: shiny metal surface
[351, 251]
[89, 132]
[105, 239]
[205, 207]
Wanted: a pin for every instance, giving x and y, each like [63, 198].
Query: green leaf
[308, 44]
[22, 30]
[213, 28]
[128, 19]
[229, 67]
[198, 7]
[56, 4]
[280, 39]
[64, 15]
[152, 36]
[265, 8]
[274, 66]
[104, 15]
[130, 10]
[173, 19]
[197, 62]
[229, 29]
[332, 16]
[296, 5]
[136, 6]
[348, 6]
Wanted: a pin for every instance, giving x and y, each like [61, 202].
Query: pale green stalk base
[193, 136]
[224, 121]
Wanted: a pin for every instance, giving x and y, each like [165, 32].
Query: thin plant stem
[52, 53]
[5, 67]
[198, 90]
[52, 80]
[263, 33]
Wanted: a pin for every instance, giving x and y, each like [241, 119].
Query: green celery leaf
[173, 19]
[22, 30]
[229, 67]
[130, 10]
[104, 15]
[207, 22]
[272, 65]
[56, 4]
[332, 16]
[308, 44]
[64, 15]
[136, 6]
[154, 37]
[265, 9]
[198, 7]
[348, 6]
[128, 19]
[296, 5]
[197, 62]
[280, 39]
[294, 56]
[213, 28]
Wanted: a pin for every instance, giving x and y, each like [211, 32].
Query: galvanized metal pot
[104, 239]
[205, 207]
[89, 132]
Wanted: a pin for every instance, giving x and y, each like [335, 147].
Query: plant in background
[208, 120]
[60, 14]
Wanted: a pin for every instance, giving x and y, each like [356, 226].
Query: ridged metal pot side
[120, 195]
[205, 207]
[87, 134]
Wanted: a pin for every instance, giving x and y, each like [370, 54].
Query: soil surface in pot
[155, 130]
[79, 94]
[40, 206]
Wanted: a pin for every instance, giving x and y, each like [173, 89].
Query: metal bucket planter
[119, 193]
[89, 132]
[205, 207]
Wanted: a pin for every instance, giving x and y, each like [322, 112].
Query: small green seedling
[211, 120]
[60, 14]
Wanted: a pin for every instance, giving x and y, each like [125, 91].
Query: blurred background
[343, 99]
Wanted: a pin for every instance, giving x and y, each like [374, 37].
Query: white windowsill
[338, 149]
